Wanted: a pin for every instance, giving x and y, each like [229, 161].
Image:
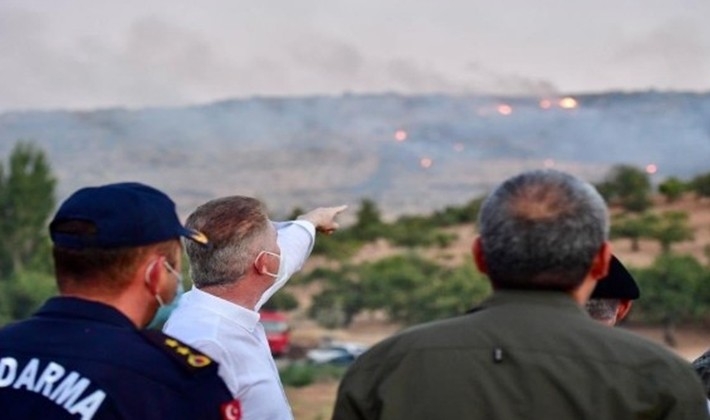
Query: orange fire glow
[568, 103]
[504, 109]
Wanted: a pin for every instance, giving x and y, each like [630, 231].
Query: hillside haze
[410, 154]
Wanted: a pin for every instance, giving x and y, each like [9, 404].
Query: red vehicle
[277, 331]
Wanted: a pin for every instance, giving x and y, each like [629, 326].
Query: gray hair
[541, 230]
[235, 227]
[603, 309]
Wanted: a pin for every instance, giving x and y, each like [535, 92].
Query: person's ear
[600, 264]
[623, 309]
[152, 275]
[260, 263]
[478, 256]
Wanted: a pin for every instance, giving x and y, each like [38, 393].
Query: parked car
[278, 331]
[336, 353]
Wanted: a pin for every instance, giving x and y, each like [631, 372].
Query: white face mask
[180, 289]
[163, 312]
[281, 264]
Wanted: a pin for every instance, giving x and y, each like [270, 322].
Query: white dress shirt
[233, 336]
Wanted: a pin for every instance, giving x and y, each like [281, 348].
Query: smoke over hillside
[411, 154]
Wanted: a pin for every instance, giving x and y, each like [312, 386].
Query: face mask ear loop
[273, 254]
[178, 280]
[147, 281]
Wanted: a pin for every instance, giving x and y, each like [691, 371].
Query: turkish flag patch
[231, 410]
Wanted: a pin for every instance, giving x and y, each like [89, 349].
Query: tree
[342, 296]
[627, 186]
[673, 289]
[369, 222]
[408, 288]
[672, 188]
[281, 301]
[451, 293]
[22, 294]
[451, 215]
[26, 202]
[701, 185]
[670, 228]
[397, 285]
[414, 231]
[634, 228]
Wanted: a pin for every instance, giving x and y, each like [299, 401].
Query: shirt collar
[244, 317]
[556, 299]
[73, 307]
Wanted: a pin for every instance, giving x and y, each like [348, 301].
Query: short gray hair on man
[603, 309]
[236, 228]
[541, 230]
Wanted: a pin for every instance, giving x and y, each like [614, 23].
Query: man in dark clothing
[529, 351]
[702, 368]
[613, 295]
[83, 354]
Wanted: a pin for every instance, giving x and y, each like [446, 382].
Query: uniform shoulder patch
[188, 357]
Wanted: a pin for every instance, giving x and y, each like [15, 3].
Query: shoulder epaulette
[188, 357]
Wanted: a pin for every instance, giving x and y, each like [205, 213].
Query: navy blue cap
[618, 284]
[123, 215]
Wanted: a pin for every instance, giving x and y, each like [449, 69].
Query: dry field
[316, 401]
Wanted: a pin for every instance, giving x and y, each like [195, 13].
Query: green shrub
[299, 374]
[23, 293]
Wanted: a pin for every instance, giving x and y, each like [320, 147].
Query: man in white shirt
[248, 259]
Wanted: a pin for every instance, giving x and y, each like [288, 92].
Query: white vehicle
[336, 353]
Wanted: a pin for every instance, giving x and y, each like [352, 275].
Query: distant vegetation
[26, 202]
[408, 287]
[303, 374]
[411, 289]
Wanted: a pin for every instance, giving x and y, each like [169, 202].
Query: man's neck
[235, 293]
[581, 294]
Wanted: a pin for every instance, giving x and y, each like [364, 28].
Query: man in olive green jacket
[529, 351]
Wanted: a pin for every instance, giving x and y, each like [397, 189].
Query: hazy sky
[98, 53]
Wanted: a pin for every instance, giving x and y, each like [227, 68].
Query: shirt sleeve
[217, 353]
[295, 239]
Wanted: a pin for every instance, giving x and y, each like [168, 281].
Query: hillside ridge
[410, 154]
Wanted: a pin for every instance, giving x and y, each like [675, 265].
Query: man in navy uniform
[83, 354]
[613, 295]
